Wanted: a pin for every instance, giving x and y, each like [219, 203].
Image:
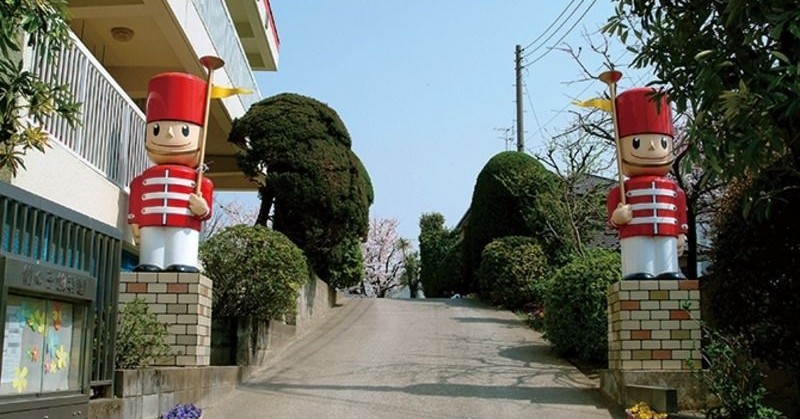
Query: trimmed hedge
[256, 272]
[512, 272]
[500, 204]
[575, 305]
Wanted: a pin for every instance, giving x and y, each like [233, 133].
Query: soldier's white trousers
[653, 255]
[165, 246]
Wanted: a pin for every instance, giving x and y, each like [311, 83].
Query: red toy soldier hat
[639, 112]
[176, 97]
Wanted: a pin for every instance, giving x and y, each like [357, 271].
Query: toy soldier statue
[648, 209]
[166, 206]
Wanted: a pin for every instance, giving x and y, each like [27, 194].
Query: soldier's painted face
[173, 142]
[646, 154]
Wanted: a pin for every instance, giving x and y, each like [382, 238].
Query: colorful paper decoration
[37, 321]
[61, 358]
[22, 313]
[57, 316]
[53, 340]
[20, 382]
[33, 354]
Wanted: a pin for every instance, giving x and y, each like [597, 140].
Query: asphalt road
[417, 359]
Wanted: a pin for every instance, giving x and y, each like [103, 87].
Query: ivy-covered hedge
[575, 305]
[256, 272]
[505, 190]
[512, 272]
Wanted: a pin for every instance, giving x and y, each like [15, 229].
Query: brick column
[649, 327]
[653, 339]
[183, 303]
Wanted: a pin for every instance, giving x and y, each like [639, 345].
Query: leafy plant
[183, 411]
[575, 305]
[734, 378]
[140, 336]
[255, 271]
[512, 273]
[24, 97]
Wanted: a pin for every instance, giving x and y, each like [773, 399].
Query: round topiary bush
[503, 204]
[512, 272]
[575, 305]
[256, 272]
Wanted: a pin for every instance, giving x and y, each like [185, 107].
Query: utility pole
[520, 128]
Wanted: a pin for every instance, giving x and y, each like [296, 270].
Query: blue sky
[424, 86]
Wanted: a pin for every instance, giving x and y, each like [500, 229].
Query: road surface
[383, 358]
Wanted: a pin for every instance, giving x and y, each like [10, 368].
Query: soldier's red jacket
[160, 197]
[658, 205]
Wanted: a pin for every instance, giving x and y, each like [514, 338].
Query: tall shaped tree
[313, 187]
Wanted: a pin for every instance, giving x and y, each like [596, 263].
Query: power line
[551, 24]
[543, 43]
[533, 108]
[563, 36]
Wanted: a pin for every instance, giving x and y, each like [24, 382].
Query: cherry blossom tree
[226, 215]
[384, 258]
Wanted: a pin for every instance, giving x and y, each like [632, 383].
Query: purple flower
[183, 411]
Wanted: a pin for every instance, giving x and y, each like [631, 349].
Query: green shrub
[256, 272]
[140, 336]
[512, 273]
[504, 204]
[435, 241]
[575, 305]
[346, 267]
[734, 378]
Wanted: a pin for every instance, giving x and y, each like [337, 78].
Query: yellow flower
[642, 410]
[20, 382]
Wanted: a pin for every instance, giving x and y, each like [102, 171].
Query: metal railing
[112, 127]
[219, 25]
[40, 230]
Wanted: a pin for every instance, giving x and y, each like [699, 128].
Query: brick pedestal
[183, 303]
[653, 336]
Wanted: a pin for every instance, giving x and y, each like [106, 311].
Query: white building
[69, 207]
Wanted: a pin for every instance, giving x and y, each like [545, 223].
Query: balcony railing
[219, 25]
[112, 130]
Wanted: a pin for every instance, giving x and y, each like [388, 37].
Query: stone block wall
[183, 303]
[654, 325]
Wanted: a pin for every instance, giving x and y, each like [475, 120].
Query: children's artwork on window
[42, 340]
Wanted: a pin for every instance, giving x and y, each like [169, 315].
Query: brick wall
[183, 303]
[653, 325]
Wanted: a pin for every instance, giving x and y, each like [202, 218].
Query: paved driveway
[417, 359]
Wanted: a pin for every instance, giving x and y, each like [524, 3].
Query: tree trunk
[267, 198]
